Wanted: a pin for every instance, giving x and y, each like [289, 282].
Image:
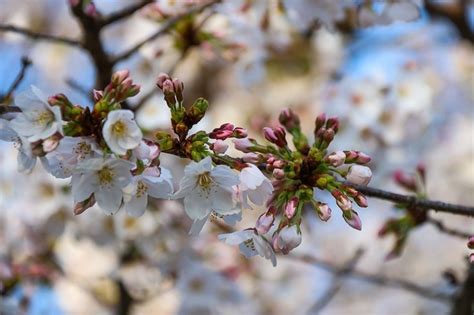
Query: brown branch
[164, 29]
[337, 283]
[464, 302]
[25, 64]
[412, 201]
[34, 35]
[124, 13]
[443, 228]
[375, 279]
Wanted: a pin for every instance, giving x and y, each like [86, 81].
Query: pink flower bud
[287, 239]
[320, 121]
[147, 150]
[333, 123]
[243, 145]
[278, 164]
[354, 220]
[91, 10]
[119, 76]
[265, 222]
[342, 200]
[324, 212]
[362, 158]
[328, 135]
[359, 175]
[73, 3]
[288, 119]
[402, 179]
[219, 147]
[240, 132]
[291, 206]
[178, 86]
[275, 135]
[278, 173]
[351, 156]
[162, 77]
[251, 157]
[361, 200]
[168, 87]
[98, 95]
[336, 158]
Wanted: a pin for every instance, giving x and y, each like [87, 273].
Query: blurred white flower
[250, 244]
[103, 177]
[38, 120]
[121, 132]
[254, 186]
[154, 182]
[206, 188]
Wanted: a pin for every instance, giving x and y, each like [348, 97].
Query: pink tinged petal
[109, 200]
[136, 207]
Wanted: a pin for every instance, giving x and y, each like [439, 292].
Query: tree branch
[412, 201]
[375, 279]
[337, 283]
[464, 303]
[124, 13]
[34, 35]
[164, 28]
[442, 228]
[25, 64]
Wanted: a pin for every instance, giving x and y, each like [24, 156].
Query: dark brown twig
[164, 29]
[124, 13]
[443, 228]
[25, 64]
[337, 283]
[412, 201]
[35, 35]
[464, 302]
[375, 279]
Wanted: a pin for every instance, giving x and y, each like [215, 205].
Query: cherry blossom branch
[413, 201]
[463, 303]
[337, 283]
[164, 29]
[443, 228]
[25, 64]
[375, 279]
[35, 35]
[124, 13]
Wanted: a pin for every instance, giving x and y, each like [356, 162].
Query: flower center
[82, 149]
[141, 189]
[204, 180]
[119, 128]
[106, 176]
[45, 117]
[250, 244]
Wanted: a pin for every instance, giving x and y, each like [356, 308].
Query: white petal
[136, 206]
[196, 206]
[83, 186]
[109, 200]
[224, 176]
[235, 238]
[222, 201]
[162, 189]
[197, 226]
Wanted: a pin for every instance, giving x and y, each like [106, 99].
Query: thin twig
[412, 201]
[336, 285]
[443, 228]
[124, 13]
[164, 29]
[25, 64]
[375, 279]
[34, 35]
[464, 302]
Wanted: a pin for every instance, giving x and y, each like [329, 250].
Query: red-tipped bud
[421, 169]
[328, 135]
[470, 242]
[98, 95]
[320, 121]
[119, 76]
[404, 180]
[362, 158]
[333, 123]
[275, 135]
[288, 119]
[240, 132]
[342, 200]
[251, 158]
[278, 173]
[336, 158]
[361, 200]
[223, 132]
[168, 87]
[352, 218]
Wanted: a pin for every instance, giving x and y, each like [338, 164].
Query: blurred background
[400, 76]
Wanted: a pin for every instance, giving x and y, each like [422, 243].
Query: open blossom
[104, 178]
[206, 188]
[38, 120]
[69, 152]
[154, 182]
[121, 132]
[287, 239]
[250, 244]
[359, 175]
[254, 186]
[26, 160]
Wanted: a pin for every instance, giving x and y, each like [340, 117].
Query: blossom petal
[109, 200]
[136, 207]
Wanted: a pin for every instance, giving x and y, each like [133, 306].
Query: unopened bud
[219, 147]
[223, 132]
[178, 86]
[287, 239]
[324, 212]
[275, 135]
[197, 110]
[361, 200]
[91, 10]
[352, 218]
[278, 173]
[278, 164]
[342, 200]
[240, 132]
[290, 207]
[402, 179]
[251, 157]
[333, 123]
[119, 76]
[470, 242]
[162, 77]
[320, 121]
[98, 95]
[359, 175]
[265, 222]
[289, 119]
[362, 158]
[243, 145]
[336, 158]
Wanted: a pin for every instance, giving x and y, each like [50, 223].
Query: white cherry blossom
[250, 244]
[38, 120]
[121, 132]
[254, 186]
[104, 178]
[154, 182]
[206, 188]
